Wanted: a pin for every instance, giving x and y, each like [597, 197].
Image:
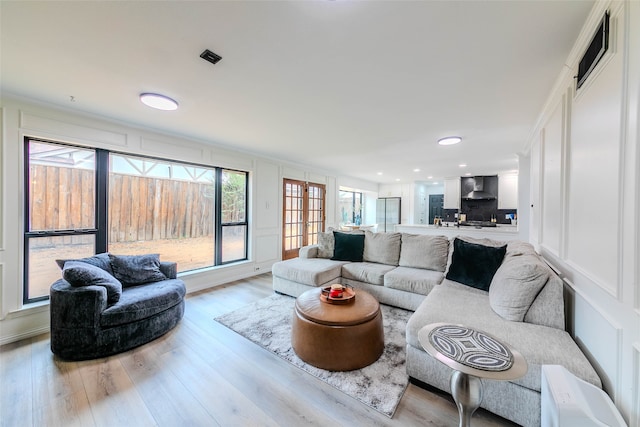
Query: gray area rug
[267, 322]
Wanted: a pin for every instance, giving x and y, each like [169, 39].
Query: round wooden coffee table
[337, 337]
[472, 354]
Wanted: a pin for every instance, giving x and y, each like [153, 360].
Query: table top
[363, 308]
[472, 351]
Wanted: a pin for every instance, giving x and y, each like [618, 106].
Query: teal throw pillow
[473, 264]
[348, 247]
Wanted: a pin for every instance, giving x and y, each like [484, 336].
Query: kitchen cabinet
[508, 191]
[452, 193]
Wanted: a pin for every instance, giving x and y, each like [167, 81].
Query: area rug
[267, 322]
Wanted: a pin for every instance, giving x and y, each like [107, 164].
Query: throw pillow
[421, 251]
[516, 285]
[136, 269]
[382, 248]
[473, 264]
[325, 244]
[100, 260]
[348, 247]
[79, 273]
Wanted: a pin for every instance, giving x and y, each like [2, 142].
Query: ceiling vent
[598, 46]
[207, 55]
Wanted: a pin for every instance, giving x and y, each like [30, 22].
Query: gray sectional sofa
[520, 302]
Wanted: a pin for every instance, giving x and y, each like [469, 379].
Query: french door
[303, 215]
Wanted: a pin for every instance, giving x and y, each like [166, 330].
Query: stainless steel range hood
[478, 192]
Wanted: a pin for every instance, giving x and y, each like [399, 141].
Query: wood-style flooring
[198, 374]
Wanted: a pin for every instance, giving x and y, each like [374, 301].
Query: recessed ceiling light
[379, 173]
[416, 170]
[468, 174]
[463, 165]
[449, 140]
[159, 102]
[435, 183]
[429, 177]
[398, 179]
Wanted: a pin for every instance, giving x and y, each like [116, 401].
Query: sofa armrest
[76, 307]
[169, 269]
[310, 251]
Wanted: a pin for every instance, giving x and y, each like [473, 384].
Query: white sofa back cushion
[381, 248]
[422, 251]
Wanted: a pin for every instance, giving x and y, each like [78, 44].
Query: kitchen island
[502, 232]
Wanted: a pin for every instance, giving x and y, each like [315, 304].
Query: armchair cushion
[100, 260]
[79, 273]
[136, 269]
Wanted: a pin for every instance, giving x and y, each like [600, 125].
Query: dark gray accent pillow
[136, 269]
[348, 247]
[473, 264]
[79, 273]
[100, 260]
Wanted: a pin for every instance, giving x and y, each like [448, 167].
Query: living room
[578, 163]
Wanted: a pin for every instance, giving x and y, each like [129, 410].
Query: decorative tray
[348, 295]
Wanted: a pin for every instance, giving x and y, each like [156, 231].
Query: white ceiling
[355, 87]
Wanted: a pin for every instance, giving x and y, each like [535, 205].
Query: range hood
[478, 192]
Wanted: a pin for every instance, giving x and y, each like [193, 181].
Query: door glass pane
[43, 253]
[61, 187]
[157, 206]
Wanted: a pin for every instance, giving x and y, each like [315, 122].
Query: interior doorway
[436, 203]
[303, 215]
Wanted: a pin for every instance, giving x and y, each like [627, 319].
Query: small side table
[472, 354]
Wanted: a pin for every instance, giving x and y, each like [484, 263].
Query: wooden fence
[140, 208]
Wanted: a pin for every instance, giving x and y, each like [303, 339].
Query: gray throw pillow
[516, 285]
[137, 269]
[381, 248]
[325, 244]
[79, 273]
[422, 251]
[100, 260]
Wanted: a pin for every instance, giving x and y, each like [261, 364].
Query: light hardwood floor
[198, 374]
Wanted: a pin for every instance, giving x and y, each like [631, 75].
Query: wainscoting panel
[267, 188]
[173, 149]
[32, 122]
[600, 338]
[267, 248]
[594, 175]
[552, 180]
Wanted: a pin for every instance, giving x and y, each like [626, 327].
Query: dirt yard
[190, 254]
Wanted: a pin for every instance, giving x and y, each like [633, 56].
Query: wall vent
[598, 46]
[207, 55]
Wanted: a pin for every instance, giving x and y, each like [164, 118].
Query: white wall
[20, 118]
[585, 219]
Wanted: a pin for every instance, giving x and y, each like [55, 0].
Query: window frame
[101, 222]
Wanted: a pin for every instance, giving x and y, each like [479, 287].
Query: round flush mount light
[159, 102]
[449, 140]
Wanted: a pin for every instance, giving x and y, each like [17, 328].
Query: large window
[85, 201]
[350, 204]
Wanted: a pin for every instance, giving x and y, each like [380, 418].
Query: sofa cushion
[421, 251]
[473, 264]
[308, 271]
[454, 303]
[79, 273]
[348, 247]
[143, 301]
[415, 280]
[136, 269]
[100, 260]
[383, 248]
[515, 285]
[367, 272]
